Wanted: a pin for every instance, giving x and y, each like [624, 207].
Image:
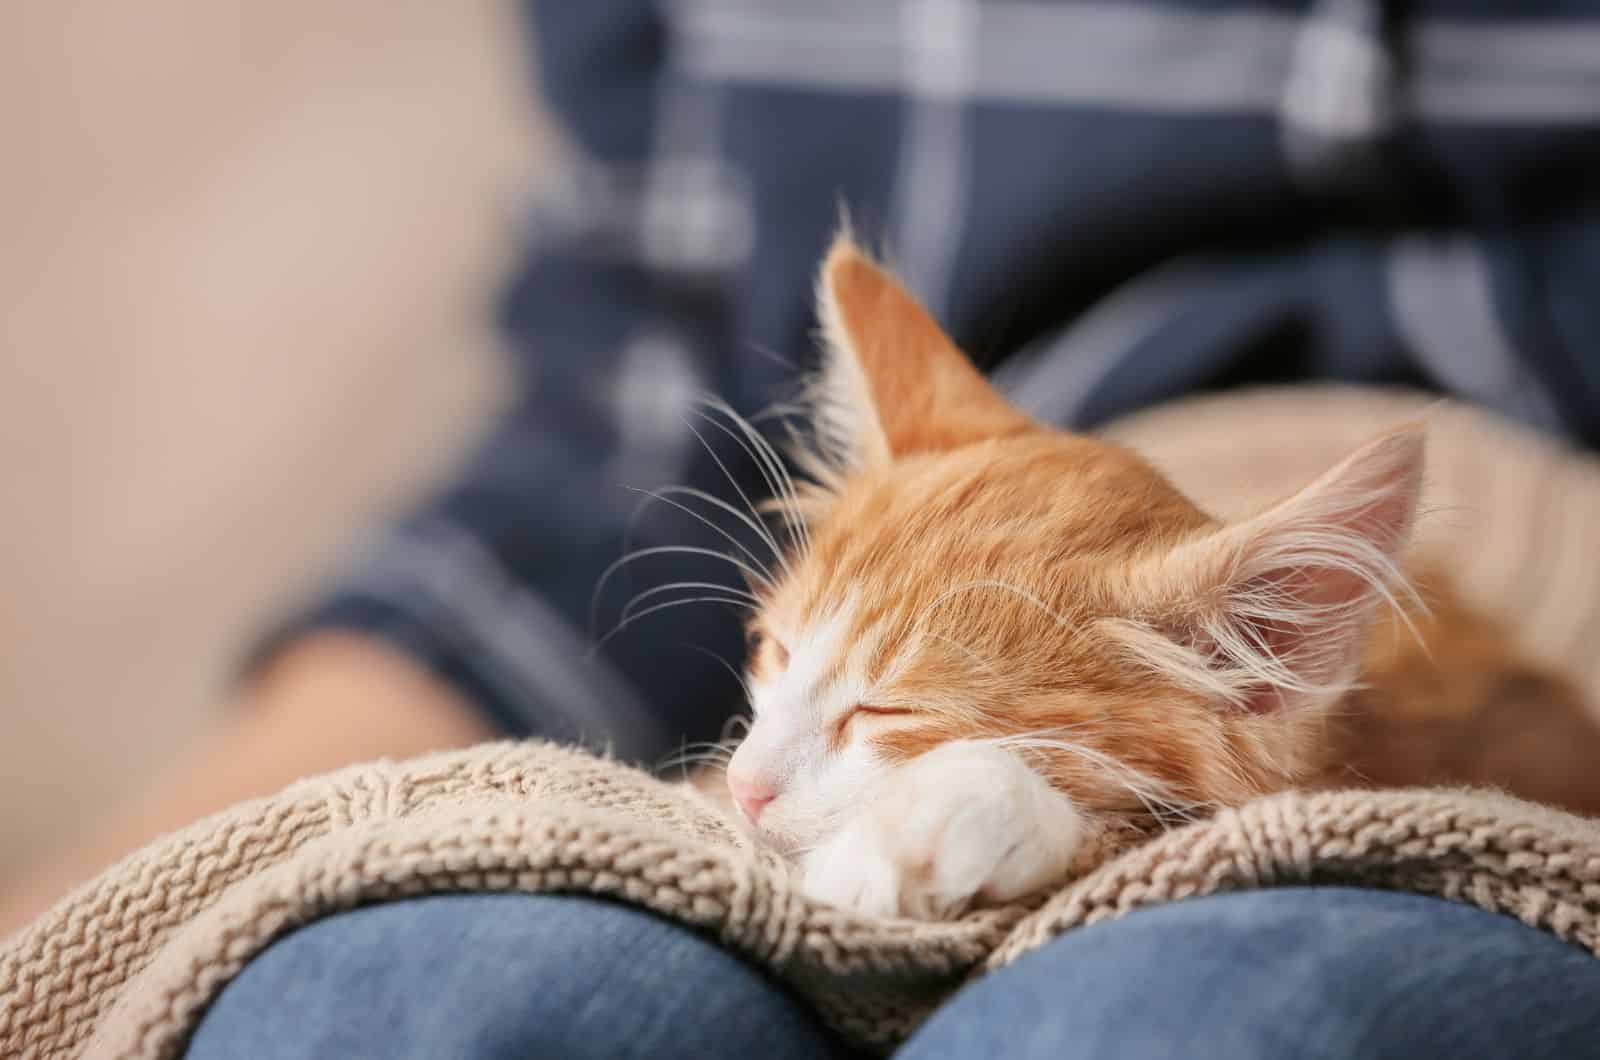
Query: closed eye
[841, 726]
[880, 712]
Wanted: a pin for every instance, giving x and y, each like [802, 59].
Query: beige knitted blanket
[126, 965]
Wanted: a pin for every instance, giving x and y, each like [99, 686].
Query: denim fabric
[1312, 974]
[1303, 973]
[502, 977]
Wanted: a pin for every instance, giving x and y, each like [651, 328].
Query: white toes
[964, 825]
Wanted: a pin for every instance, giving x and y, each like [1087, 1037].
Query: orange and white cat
[997, 653]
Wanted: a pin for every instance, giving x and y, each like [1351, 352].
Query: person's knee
[491, 976]
[1294, 972]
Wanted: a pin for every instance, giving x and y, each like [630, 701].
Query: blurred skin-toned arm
[329, 700]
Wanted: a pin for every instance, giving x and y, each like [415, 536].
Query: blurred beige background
[246, 248]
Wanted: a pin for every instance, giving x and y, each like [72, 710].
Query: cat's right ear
[1273, 611]
[892, 382]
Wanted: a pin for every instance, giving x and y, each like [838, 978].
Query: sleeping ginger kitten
[998, 653]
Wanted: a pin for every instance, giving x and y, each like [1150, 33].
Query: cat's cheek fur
[968, 824]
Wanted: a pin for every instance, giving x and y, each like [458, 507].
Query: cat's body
[1449, 700]
[998, 653]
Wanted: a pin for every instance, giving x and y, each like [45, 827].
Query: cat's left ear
[892, 382]
[1274, 610]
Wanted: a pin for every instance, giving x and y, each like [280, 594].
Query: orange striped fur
[963, 577]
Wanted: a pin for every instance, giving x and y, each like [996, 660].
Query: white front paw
[965, 825]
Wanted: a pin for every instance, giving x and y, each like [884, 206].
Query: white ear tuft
[892, 382]
[844, 415]
[1274, 611]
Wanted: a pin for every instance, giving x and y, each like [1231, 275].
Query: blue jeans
[1304, 973]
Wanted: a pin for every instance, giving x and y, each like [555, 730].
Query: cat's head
[962, 572]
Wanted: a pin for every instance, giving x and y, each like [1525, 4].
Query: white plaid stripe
[653, 391]
[1141, 57]
[1443, 305]
[685, 210]
[931, 181]
[1053, 379]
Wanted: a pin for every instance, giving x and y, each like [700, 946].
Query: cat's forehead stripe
[817, 662]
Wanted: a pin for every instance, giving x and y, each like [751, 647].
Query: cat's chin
[785, 843]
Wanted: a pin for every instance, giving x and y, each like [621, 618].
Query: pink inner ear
[1321, 594]
[1296, 587]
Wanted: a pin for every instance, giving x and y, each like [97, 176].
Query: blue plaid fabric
[1109, 203]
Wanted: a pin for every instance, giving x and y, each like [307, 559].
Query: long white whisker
[774, 356]
[636, 616]
[782, 411]
[717, 502]
[991, 584]
[744, 682]
[775, 477]
[962, 648]
[755, 524]
[817, 459]
[772, 484]
[1152, 793]
[773, 469]
[693, 550]
[695, 754]
[640, 597]
[665, 494]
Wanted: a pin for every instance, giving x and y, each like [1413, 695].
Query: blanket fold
[126, 965]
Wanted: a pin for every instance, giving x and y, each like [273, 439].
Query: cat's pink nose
[752, 798]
